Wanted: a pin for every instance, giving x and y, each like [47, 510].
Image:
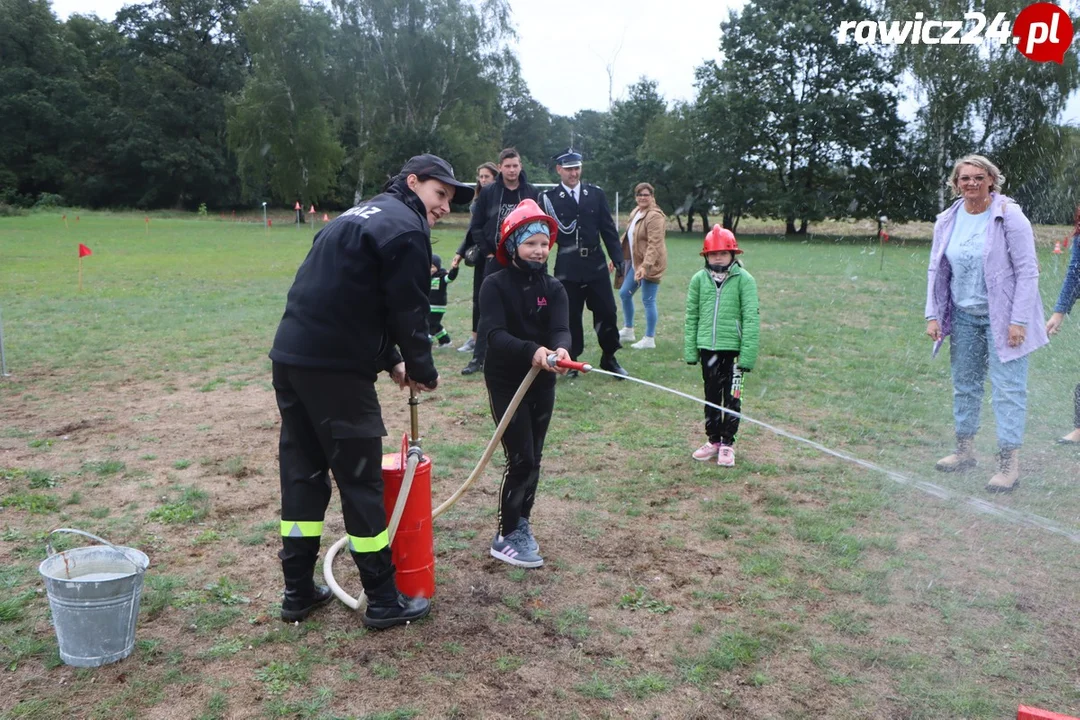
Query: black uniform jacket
[362, 290]
[484, 225]
[580, 258]
[521, 311]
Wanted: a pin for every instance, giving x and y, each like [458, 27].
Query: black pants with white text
[718, 372]
[523, 443]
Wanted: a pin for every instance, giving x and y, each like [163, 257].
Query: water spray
[415, 454]
[1017, 517]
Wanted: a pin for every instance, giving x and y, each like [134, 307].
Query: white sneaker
[627, 334]
[645, 343]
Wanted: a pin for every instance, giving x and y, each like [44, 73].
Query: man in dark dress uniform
[581, 210]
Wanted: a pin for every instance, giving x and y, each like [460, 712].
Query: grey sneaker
[525, 529]
[514, 549]
[469, 345]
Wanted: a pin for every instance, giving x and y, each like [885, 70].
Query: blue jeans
[648, 299]
[971, 351]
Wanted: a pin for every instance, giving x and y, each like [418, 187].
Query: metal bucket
[94, 594]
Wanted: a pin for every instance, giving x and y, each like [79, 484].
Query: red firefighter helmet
[718, 239]
[527, 211]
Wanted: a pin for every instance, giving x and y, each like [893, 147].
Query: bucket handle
[49, 548]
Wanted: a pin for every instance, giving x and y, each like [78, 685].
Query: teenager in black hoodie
[525, 318]
[492, 207]
[358, 306]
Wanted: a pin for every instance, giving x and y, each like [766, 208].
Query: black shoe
[297, 605]
[474, 366]
[571, 374]
[609, 363]
[398, 610]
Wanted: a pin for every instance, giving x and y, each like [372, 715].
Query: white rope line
[979, 505]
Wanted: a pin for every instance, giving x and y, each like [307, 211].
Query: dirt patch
[639, 613]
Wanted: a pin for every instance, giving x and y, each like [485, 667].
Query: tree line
[180, 103]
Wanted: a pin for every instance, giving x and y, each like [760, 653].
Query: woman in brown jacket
[646, 260]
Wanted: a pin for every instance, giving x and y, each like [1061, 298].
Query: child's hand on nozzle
[540, 359]
[560, 354]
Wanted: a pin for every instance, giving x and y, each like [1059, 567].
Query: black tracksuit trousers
[330, 421]
[598, 297]
[523, 443]
[718, 372]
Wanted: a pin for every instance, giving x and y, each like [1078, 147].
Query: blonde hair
[997, 180]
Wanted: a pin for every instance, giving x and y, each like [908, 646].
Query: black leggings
[478, 280]
[523, 443]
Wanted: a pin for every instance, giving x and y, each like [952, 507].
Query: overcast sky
[566, 46]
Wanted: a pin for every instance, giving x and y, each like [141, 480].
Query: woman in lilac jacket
[1070, 291]
[983, 292]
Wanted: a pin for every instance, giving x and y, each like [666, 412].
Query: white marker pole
[3, 358]
[264, 216]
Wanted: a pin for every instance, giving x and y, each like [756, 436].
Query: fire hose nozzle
[554, 361]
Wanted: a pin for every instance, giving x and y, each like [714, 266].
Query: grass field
[792, 586]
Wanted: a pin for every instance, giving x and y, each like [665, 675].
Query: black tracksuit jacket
[484, 225]
[521, 311]
[361, 295]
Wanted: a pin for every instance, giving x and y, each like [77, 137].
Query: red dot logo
[1043, 32]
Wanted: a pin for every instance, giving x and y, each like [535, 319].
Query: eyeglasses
[971, 178]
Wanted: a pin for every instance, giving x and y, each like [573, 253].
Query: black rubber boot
[299, 603]
[388, 607]
[609, 363]
[302, 595]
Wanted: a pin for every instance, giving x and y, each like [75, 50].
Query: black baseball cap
[432, 166]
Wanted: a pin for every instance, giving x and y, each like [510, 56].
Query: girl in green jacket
[722, 332]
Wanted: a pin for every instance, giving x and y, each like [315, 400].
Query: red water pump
[413, 547]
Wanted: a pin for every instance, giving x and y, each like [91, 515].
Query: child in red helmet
[525, 317]
[721, 332]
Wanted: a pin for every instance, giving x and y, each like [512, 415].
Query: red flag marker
[885, 237]
[1057, 247]
[269, 223]
[1066, 245]
[76, 218]
[65, 221]
[83, 252]
[325, 217]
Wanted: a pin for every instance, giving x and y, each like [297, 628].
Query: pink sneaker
[707, 451]
[725, 456]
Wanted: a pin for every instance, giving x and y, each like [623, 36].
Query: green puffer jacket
[724, 318]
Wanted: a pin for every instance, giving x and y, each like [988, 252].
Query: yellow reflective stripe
[369, 544]
[301, 528]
